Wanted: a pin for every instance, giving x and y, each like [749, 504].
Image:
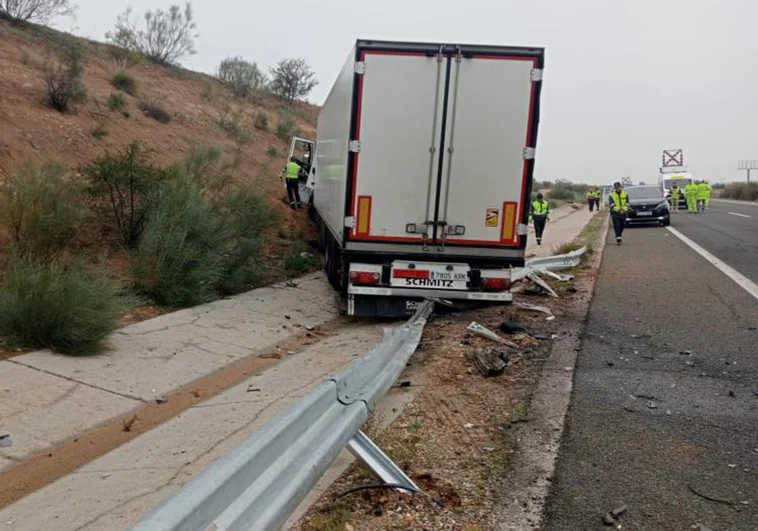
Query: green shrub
[125, 182]
[244, 217]
[68, 309]
[117, 101]
[299, 260]
[272, 152]
[123, 81]
[261, 122]
[203, 235]
[126, 114]
[178, 262]
[285, 128]
[741, 191]
[41, 209]
[63, 76]
[156, 112]
[99, 132]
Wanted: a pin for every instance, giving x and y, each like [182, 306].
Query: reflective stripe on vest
[619, 200]
[540, 208]
[293, 170]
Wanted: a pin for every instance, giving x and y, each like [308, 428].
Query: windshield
[681, 183]
[645, 192]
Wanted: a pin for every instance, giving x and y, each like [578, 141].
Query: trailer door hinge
[360, 67]
[536, 74]
[350, 222]
[528, 153]
[354, 146]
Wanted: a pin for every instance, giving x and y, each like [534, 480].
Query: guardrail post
[379, 463]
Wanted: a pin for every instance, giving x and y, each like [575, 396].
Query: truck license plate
[436, 276]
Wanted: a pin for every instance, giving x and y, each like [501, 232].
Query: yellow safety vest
[293, 170]
[540, 208]
[620, 200]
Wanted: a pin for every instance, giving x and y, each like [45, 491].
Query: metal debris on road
[541, 283]
[160, 400]
[486, 333]
[560, 277]
[490, 362]
[652, 405]
[542, 309]
[611, 517]
[5, 441]
[251, 389]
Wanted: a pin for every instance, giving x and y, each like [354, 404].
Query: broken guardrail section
[258, 485]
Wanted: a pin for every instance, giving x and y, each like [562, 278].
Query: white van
[681, 179]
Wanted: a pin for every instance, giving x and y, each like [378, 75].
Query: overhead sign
[673, 157]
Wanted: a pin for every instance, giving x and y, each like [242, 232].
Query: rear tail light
[496, 284]
[363, 277]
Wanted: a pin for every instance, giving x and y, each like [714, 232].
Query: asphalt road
[647, 423]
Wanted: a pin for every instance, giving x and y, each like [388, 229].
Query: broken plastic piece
[486, 333]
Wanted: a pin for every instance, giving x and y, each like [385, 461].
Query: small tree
[242, 77]
[42, 11]
[63, 77]
[167, 37]
[292, 79]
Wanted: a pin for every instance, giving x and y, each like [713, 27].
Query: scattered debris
[610, 518]
[710, 498]
[652, 405]
[558, 276]
[404, 384]
[5, 441]
[271, 356]
[512, 327]
[251, 389]
[128, 423]
[535, 290]
[541, 337]
[532, 308]
[468, 426]
[685, 352]
[541, 283]
[490, 362]
[287, 317]
[105, 476]
[161, 400]
[646, 397]
[310, 328]
[731, 393]
[486, 333]
[630, 409]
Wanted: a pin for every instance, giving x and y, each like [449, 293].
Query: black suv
[647, 204]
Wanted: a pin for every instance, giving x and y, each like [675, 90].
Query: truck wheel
[331, 261]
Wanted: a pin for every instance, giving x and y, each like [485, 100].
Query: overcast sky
[624, 79]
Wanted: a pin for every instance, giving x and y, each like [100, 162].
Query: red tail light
[496, 284]
[362, 277]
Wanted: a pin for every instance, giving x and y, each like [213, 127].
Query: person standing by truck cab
[540, 215]
[291, 174]
[618, 201]
[690, 195]
[675, 194]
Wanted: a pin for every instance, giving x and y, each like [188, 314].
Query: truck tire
[332, 261]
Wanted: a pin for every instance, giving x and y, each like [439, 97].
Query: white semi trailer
[423, 173]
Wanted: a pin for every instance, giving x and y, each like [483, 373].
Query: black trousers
[293, 190]
[539, 225]
[619, 222]
[592, 203]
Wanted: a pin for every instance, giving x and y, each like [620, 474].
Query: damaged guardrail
[558, 262]
[259, 484]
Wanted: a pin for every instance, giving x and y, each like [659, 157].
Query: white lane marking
[741, 280]
[734, 202]
[738, 214]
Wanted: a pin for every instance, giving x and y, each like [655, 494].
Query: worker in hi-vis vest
[704, 195]
[291, 174]
[690, 195]
[540, 215]
[675, 195]
[618, 201]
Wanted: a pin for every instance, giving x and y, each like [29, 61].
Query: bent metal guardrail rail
[259, 484]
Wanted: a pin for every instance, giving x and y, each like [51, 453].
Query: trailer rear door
[485, 175]
[399, 108]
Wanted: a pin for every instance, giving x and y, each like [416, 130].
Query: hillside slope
[198, 105]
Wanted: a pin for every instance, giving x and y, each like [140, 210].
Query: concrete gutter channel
[206, 362]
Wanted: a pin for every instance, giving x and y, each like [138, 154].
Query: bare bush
[167, 37]
[242, 77]
[35, 10]
[63, 77]
[292, 79]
